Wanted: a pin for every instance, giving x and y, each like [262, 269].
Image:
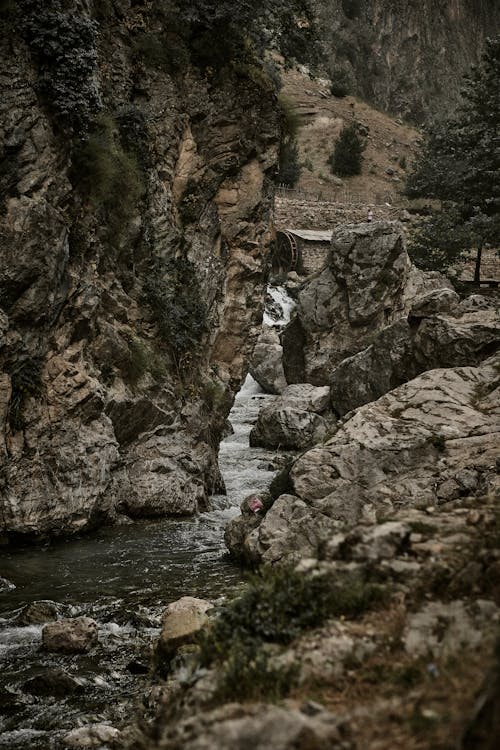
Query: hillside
[390, 143]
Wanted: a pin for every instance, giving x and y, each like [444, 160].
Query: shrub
[173, 292]
[289, 168]
[276, 606]
[109, 176]
[341, 84]
[65, 46]
[351, 8]
[142, 360]
[347, 156]
[166, 52]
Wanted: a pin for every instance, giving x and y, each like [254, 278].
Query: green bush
[109, 177]
[172, 291]
[289, 168]
[65, 45]
[341, 84]
[166, 52]
[347, 156]
[352, 8]
[276, 606]
[142, 360]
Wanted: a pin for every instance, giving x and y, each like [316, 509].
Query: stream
[123, 577]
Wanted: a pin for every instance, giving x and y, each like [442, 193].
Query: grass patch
[276, 606]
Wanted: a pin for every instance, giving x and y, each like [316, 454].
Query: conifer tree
[459, 164]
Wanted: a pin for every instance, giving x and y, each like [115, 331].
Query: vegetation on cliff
[460, 165]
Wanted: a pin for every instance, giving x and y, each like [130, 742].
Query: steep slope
[133, 242]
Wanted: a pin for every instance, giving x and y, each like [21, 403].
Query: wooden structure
[302, 250]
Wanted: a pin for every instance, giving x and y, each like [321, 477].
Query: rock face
[408, 347]
[297, 419]
[101, 410]
[386, 51]
[70, 636]
[425, 443]
[368, 284]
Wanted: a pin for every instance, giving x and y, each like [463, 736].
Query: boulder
[71, 636]
[266, 365]
[259, 726]
[93, 735]
[55, 682]
[368, 284]
[403, 350]
[37, 613]
[297, 419]
[181, 622]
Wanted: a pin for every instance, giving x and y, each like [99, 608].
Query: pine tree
[460, 160]
[347, 155]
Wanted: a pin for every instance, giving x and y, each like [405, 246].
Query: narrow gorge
[249, 487]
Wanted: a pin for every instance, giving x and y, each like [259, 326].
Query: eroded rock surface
[100, 413]
[368, 284]
[428, 442]
[70, 636]
[297, 419]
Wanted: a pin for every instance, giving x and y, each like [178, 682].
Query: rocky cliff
[133, 239]
[403, 56]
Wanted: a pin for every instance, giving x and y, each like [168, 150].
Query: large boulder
[406, 348]
[429, 441]
[266, 366]
[368, 284]
[181, 622]
[297, 419]
[71, 636]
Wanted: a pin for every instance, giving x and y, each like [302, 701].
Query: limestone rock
[296, 419]
[442, 629]
[260, 726]
[70, 636]
[93, 735]
[401, 351]
[368, 284]
[181, 622]
[392, 453]
[266, 365]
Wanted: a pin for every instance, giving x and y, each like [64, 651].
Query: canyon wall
[136, 188]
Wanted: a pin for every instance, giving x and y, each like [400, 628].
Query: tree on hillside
[459, 164]
[348, 153]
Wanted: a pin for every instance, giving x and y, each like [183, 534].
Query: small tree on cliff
[459, 164]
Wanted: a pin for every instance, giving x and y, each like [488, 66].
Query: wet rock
[296, 419]
[55, 682]
[37, 613]
[6, 585]
[94, 735]
[181, 622]
[266, 366]
[70, 636]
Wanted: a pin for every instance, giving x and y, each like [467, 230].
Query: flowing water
[122, 577]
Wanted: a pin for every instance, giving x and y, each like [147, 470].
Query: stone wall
[292, 212]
